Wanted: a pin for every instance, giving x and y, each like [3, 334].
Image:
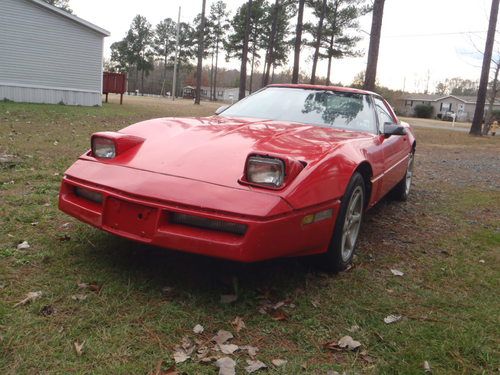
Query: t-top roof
[71, 17]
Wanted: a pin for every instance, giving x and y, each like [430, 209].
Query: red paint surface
[195, 166]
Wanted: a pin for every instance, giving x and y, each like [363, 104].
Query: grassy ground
[446, 240]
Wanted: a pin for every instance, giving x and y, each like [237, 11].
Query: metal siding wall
[41, 48]
[50, 96]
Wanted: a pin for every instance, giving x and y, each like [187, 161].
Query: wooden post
[121, 99]
[107, 97]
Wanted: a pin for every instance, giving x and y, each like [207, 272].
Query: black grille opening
[210, 224]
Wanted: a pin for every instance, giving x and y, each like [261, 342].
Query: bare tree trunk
[318, 43]
[371, 66]
[201, 36]
[491, 99]
[476, 128]
[212, 78]
[216, 67]
[270, 47]
[298, 43]
[244, 55]
[251, 71]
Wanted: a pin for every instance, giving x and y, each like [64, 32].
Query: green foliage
[164, 38]
[340, 34]
[62, 4]
[423, 111]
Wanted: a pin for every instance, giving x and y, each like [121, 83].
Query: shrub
[423, 111]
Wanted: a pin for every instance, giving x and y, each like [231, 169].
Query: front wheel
[402, 190]
[345, 235]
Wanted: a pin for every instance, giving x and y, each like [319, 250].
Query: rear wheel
[402, 190]
[345, 235]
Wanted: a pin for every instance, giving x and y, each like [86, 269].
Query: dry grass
[447, 297]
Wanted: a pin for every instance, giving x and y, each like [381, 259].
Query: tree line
[262, 34]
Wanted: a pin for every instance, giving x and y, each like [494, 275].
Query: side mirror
[221, 109]
[393, 129]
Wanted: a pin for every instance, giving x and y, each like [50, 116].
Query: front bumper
[140, 205]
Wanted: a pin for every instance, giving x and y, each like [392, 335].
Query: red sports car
[287, 171]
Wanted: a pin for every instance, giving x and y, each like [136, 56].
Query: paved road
[436, 124]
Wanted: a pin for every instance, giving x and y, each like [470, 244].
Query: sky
[423, 42]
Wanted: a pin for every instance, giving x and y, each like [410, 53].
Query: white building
[48, 55]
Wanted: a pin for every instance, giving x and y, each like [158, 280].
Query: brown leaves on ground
[344, 343]
[78, 347]
[238, 324]
[222, 336]
[254, 365]
[31, 296]
[93, 286]
[226, 365]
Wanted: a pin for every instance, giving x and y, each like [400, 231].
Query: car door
[395, 148]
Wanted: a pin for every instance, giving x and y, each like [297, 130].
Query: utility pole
[174, 83]
[477, 122]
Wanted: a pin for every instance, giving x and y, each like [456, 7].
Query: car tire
[402, 190]
[345, 235]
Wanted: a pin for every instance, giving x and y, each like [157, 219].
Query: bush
[423, 111]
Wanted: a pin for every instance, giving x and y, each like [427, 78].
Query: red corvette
[287, 171]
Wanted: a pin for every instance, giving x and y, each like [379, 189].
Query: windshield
[336, 109]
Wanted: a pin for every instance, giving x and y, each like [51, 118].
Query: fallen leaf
[226, 365]
[222, 336]
[64, 237]
[187, 345]
[65, 226]
[180, 356]
[198, 329]
[279, 362]
[228, 298]
[332, 372]
[31, 296]
[47, 310]
[228, 348]
[23, 245]
[254, 365]
[252, 350]
[427, 367]
[366, 357]
[56, 143]
[238, 324]
[79, 347]
[171, 371]
[397, 272]
[202, 352]
[315, 303]
[392, 319]
[95, 287]
[482, 261]
[347, 342]
[82, 285]
[279, 315]
[35, 223]
[354, 328]
[79, 297]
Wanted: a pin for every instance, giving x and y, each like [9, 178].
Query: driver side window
[382, 113]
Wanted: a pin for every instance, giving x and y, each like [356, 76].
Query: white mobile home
[48, 55]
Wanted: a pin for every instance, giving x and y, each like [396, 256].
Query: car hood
[214, 149]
